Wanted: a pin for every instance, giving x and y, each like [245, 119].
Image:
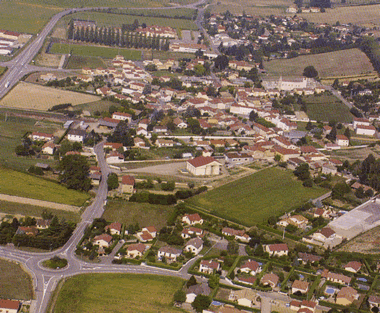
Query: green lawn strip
[253, 199]
[117, 293]
[283, 284]
[15, 283]
[13, 208]
[233, 266]
[24, 185]
[313, 286]
[95, 51]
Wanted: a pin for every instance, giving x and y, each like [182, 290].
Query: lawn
[14, 209]
[327, 108]
[143, 213]
[79, 62]
[28, 96]
[2, 70]
[331, 64]
[95, 51]
[96, 293]
[23, 185]
[253, 199]
[15, 283]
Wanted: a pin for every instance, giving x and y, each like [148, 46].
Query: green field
[331, 64]
[23, 185]
[327, 108]
[12, 208]
[15, 283]
[79, 62]
[252, 199]
[124, 293]
[2, 70]
[143, 213]
[95, 51]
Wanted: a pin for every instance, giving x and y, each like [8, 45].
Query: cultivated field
[255, 7]
[331, 64]
[366, 243]
[253, 199]
[327, 108]
[28, 96]
[79, 62]
[143, 213]
[355, 154]
[23, 185]
[15, 283]
[95, 51]
[127, 293]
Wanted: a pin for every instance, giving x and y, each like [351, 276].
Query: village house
[300, 286]
[308, 258]
[353, 266]
[346, 296]
[244, 297]
[324, 234]
[203, 166]
[336, 278]
[103, 240]
[374, 301]
[147, 234]
[237, 234]
[169, 253]
[76, 135]
[270, 279]
[191, 232]
[250, 267]
[199, 289]
[278, 249]
[192, 219]
[122, 116]
[49, 148]
[194, 246]
[42, 136]
[209, 266]
[114, 228]
[136, 250]
[9, 306]
[127, 184]
[342, 141]
[42, 223]
[115, 157]
[27, 230]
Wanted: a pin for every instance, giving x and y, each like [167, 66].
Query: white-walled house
[203, 166]
[77, 135]
[194, 245]
[342, 141]
[169, 253]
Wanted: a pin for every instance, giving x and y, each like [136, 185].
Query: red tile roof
[128, 180]
[9, 304]
[279, 247]
[201, 161]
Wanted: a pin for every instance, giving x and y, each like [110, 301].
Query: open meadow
[2, 70]
[127, 293]
[255, 7]
[366, 243]
[95, 51]
[331, 64]
[79, 62]
[327, 108]
[24, 185]
[253, 199]
[143, 213]
[15, 283]
[28, 96]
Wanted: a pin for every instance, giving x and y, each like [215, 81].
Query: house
[41, 136]
[136, 250]
[278, 249]
[203, 166]
[114, 146]
[190, 232]
[300, 286]
[307, 304]
[270, 279]
[308, 258]
[324, 234]
[346, 296]
[250, 267]
[244, 297]
[164, 143]
[114, 228]
[169, 253]
[9, 306]
[194, 245]
[77, 135]
[365, 130]
[147, 234]
[358, 121]
[353, 266]
[179, 123]
[193, 291]
[43, 224]
[115, 157]
[228, 309]
[27, 230]
[374, 301]
[127, 184]
[49, 148]
[192, 219]
[336, 278]
[237, 157]
[209, 266]
[237, 234]
[342, 141]
[103, 240]
[122, 116]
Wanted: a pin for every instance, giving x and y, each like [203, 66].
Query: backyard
[124, 293]
[253, 199]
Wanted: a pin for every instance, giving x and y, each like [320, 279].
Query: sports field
[327, 108]
[253, 199]
[23, 185]
[15, 283]
[127, 293]
[331, 64]
[95, 51]
[29, 96]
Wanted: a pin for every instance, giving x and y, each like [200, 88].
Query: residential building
[194, 245]
[300, 286]
[353, 266]
[27, 230]
[192, 219]
[136, 250]
[209, 266]
[193, 291]
[127, 184]
[346, 296]
[114, 228]
[203, 166]
[103, 240]
[324, 234]
[169, 253]
[250, 267]
[9, 306]
[77, 135]
[342, 141]
[122, 116]
[270, 279]
[190, 232]
[237, 234]
[278, 249]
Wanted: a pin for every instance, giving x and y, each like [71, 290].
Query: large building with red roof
[203, 166]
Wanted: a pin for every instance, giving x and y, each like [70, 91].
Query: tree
[232, 247]
[191, 282]
[302, 171]
[74, 172]
[253, 116]
[221, 62]
[179, 296]
[213, 281]
[112, 181]
[310, 72]
[347, 133]
[200, 303]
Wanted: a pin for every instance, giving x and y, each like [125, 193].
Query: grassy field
[255, 7]
[96, 293]
[143, 213]
[2, 70]
[95, 51]
[252, 199]
[16, 209]
[331, 64]
[327, 108]
[100, 105]
[79, 62]
[15, 283]
[23, 185]
[28, 96]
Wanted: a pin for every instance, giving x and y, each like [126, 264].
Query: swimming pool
[329, 291]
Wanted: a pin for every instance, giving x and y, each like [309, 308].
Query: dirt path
[40, 203]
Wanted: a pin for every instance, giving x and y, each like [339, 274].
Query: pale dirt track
[40, 203]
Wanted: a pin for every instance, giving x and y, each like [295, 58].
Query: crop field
[28, 96]
[23, 185]
[331, 64]
[15, 283]
[17, 209]
[95, 51]
[143, 213]
[255, 7]
[366, 243]
[79, 62]
[327, 108]
[253, 199]
[123, 293]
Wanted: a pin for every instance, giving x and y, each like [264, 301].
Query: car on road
[6, 84]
